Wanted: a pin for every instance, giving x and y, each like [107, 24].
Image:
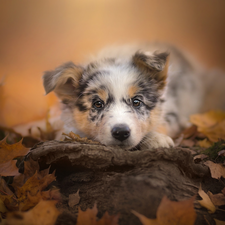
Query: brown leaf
[218, 222]
[44, 213]
[169, 212]
[217, 199]
[89, 217]
[77, 138]
[51, 194]
[223, 191]
[30, 167]
[4, 187]
[49, 133]
[206, 201]
[199, 158]
[190, 131]
[34, 184]
[74, 199]
[221, 153]
[217, 170]
[108, 220]
[7, 154]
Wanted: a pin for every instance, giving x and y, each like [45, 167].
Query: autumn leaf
[49, 133]
[44, 213]
[171, 213]
[89, 217]
[7, 155]
[77, 138]
[218, 222]
[217, 170]
[206, 201]
[30, 168]
[211, 124]
[74, 199]
[217, 199]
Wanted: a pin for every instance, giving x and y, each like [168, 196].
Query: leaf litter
[30, 186]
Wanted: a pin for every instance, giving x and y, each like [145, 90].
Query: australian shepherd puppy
[135, 96]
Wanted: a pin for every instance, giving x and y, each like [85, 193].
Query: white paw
[157, 140]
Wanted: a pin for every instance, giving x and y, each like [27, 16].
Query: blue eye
[136, 103]
[98, 104]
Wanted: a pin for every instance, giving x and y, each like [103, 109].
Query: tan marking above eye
[132, 90]
[103, 94]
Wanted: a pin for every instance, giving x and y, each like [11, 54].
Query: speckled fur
[158, 75]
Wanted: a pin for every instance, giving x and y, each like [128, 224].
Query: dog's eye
[136, 103]
[98, 104]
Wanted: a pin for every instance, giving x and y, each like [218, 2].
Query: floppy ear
[154, 66]
[63, 80]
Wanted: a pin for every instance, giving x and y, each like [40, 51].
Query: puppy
[132, 96]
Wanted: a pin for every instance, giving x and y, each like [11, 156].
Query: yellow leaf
[206, 201]
[205, 143]
[211, 124]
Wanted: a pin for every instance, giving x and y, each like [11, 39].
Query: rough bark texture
[120, 181]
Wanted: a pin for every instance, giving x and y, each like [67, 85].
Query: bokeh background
[39, 35]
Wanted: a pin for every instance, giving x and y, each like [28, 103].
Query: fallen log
[119, 180]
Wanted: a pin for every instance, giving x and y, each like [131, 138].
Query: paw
[158, 140]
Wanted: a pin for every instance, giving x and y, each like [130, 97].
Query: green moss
[212, 151]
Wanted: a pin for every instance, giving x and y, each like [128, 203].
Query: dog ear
[63, 80]
[154, 66]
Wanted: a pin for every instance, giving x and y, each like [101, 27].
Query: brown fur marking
[132, 90]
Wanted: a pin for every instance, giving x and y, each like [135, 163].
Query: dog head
[113, 101]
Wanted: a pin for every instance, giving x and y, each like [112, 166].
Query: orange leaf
[7, 154]
[34, 184]
[89, 217]
[172, 213]
[211, 124]
[30, 167]
[44, 213]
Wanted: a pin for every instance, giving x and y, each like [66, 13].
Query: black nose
[121, 132]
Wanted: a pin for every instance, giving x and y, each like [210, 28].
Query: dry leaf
[30, 167]
[3, 210]
[172, 213]
[190, 131]
[223, 191]
[219, 222]
[74, 199]
[89, 217]
[77, 138]
[44, 213]
[206, 201]
[221, 153]
[211, 124]
[199, 158]
[7, 154]
[217, 170]
[217, 199]
[205, 143]
[4, 188]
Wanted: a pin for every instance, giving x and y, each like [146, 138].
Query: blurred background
[39, 35]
